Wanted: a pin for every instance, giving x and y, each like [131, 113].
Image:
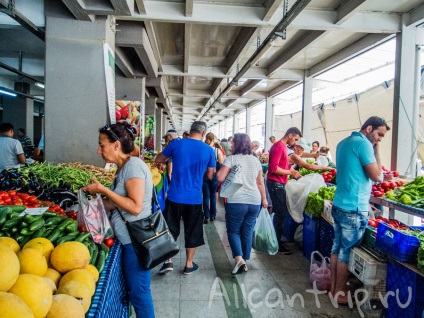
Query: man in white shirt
[12, 153]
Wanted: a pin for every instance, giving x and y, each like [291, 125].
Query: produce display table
[111, 298]
[393, 205]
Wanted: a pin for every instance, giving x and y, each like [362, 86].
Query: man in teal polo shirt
[358, 163]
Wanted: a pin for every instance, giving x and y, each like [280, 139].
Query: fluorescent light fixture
[7, 93]
[39, 85]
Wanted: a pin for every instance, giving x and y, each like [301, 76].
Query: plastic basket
[326, 236]
[310, 234]
[111, 298]
[289, 228]
[368, 242]
[404, 283]
[368, 270]
[398, 245]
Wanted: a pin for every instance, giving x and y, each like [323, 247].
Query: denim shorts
[349, 229]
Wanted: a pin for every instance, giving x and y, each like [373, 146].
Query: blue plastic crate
[326, 237]
[398, 245]
[289, 228]
[399, 279]
[111, 298]
[310, 234]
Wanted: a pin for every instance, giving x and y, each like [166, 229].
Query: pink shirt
[278, 157]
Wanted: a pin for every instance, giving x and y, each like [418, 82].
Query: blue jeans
[209, 197]
[349, 229]
[241, 219]
[138, 283]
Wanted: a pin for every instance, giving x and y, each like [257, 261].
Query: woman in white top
[242, 208]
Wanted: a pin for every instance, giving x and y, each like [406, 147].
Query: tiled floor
[274, 286]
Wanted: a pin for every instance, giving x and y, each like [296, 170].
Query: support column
[19, 111]
[143, 112]
[269, 121]
[405, 104]
[225, 128]
[76, 102]
[151, 110]
[248, 120]
[158, 130]
[307, 107]
[235, 124]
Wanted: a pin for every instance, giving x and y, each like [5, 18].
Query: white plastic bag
[92, 217]
[319, 271]
[297, 193]
[264, 237]
[232, 183]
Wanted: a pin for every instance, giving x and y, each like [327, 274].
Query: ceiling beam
[140, 6]
[123, 63]
[78, 11]
[123, 7]
[239, 47]
[250, 95]
[249, 16]
[281, 88]
[249, 86]
[151, 33]
[364, 44]
[416, 16]
[347, 9]
[306, 40]
[271, 7]
[189, 8]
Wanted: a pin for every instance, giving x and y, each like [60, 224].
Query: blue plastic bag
[264, 237]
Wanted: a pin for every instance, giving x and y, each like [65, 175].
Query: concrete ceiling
[190, 50]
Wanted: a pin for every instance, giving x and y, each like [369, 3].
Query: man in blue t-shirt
[358, 162]
[191, 158]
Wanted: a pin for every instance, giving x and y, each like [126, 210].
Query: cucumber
[86, 243]
[3, 218]
[12, 215]
[54, 235]
[20, 238]
[11, 223]
[24, 241]
[82, 237]
[101, 259]
[34, 226]
[1, 234]
[66, 238]
[26, 231]
[64, 224]
[55, 220]
[32, 218]
[5, 209]
[14, 230]
[16, 208]
[93, 257]
[104, 248]
[23, 224]
[49, 214]
[72, 227]
[40, 232]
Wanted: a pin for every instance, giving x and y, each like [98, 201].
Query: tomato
[377, 193]
[395, 173]
[25, 196]
[109, 242]
[12, 192]
[1, 202]
[381, 219]
[372, 222]
[391, 226]
[7, 200]
[32, 199]
[394, 222]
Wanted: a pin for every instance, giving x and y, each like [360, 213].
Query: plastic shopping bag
[297, 192]
[264, 237]
[92, 217]
[319, 271]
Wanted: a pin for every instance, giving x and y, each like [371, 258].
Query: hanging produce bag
[264, 237]
[319, 271]
[92, 217]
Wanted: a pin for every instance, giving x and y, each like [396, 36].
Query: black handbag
[151, 238]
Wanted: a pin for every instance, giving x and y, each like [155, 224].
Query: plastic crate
[404, 283]
[310, 234]
[289, 228]
[368, 270]
[111, 298]
[368, 242]
[326, 236]
[398, 245]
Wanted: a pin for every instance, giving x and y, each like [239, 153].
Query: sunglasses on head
[107, 128]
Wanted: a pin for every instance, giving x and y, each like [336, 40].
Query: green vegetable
[36, 225]
[82, 236]
[101, 259]
[93, 257]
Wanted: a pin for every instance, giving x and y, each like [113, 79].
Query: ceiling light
[7, 93]
[39, 85]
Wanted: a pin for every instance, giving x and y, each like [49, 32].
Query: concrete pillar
[307, 107]
[248, 120]
[19, 111]
[143, 110]
[405, 104]
[235, 124]
[158, 130]
[151, 110]
[269, 121]
[76, 101]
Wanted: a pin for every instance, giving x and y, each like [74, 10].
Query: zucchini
[66, 238]
[82, 237]
[34, 226]
[101, 259]
[93, 257]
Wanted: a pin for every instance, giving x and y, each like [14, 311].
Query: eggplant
[6, 184]
[66, 203]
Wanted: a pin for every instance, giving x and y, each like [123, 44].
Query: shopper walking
[242, 208]
[279, 169]
[211, 185]
[191, 159]
[11, 154]
[358, 162]
[132, 194]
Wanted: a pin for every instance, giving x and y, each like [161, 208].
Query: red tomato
[377, 193]
[1, 202]
[372, 222]
[395, 173]
[32, 199]
[109, 242]
[12, 192]
[25, 196]
[7, 200]
[391, 226]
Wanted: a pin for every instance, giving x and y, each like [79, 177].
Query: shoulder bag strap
[119, 211]
[155, 199]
